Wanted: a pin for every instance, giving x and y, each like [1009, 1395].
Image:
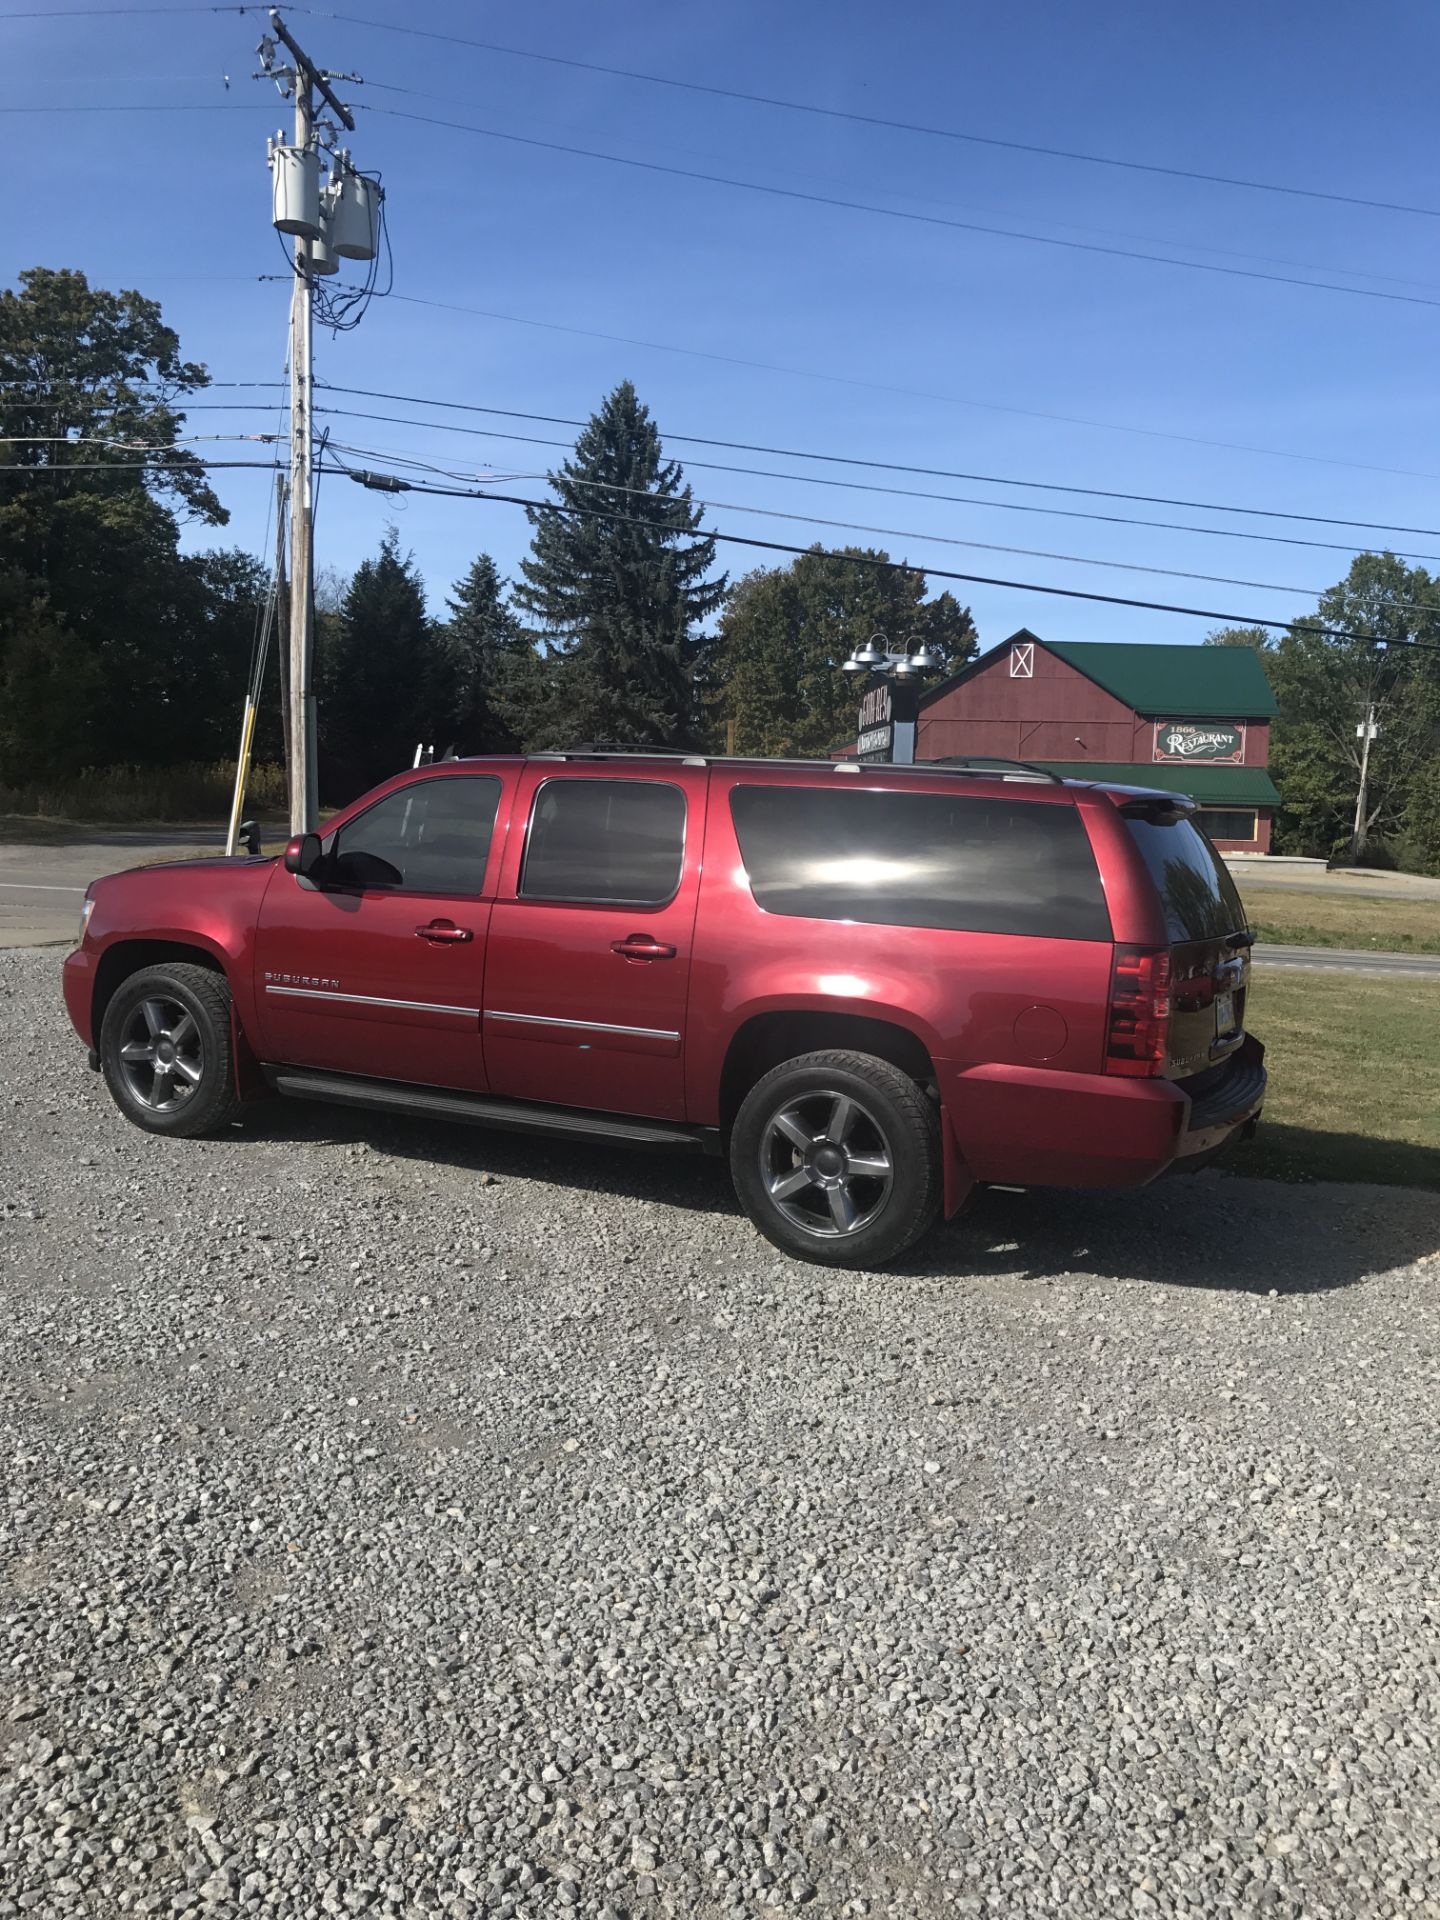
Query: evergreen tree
[492, 669]
[379, 677]
[787, 631]
[620, 602]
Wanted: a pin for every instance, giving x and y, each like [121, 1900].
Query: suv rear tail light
[1138, 1040]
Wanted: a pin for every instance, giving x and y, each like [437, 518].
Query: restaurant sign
[876, 740]
[1203, 740]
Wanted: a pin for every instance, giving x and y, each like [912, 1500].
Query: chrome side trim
[590, 1026]
[373, 1000]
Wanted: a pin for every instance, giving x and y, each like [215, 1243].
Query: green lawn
[1291, 917]
[1354, 1065]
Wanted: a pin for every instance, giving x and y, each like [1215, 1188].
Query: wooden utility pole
[304, 793]
[282, 621]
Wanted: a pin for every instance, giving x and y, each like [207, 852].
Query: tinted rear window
[1194, 883]
[955, 862]
[602, 841]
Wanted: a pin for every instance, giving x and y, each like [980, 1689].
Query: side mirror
[303, 854]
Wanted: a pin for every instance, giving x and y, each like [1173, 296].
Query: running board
[486, 1110]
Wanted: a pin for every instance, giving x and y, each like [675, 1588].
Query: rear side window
[431, 837]
[619, 842]
[1193, 882]
[955, 862]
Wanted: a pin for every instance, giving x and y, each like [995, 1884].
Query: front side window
[956, 862]
[430, 837]
[606, 842]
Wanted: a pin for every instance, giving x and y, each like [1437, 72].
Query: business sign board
[876, 741]
[1208, 741]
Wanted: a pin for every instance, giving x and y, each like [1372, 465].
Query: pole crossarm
[313, 75]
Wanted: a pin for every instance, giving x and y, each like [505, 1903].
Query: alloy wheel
[161, 1055]
[826, 1163]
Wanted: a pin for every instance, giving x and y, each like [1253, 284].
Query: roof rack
[995, 766]
[983, 762]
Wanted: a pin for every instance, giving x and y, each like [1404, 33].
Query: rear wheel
[836, 1159]
[165, 1050]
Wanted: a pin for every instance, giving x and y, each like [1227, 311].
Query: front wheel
[836, 1158]
[165, 1050]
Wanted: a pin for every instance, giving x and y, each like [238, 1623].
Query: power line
[8, 474]
[852, 526]
[1046, 220]
[909, 393]
[846, 380]
[903, 493]
[876, 120]
[838, 459]
[902, 566]
[1235, 253]
[897, 466]
[761, 100]
[899, 213]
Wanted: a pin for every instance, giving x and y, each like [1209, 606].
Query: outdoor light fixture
[875, 657]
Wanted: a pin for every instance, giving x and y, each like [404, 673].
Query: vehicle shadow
[1214, 1229]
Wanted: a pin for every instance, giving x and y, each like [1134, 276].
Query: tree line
[116, 648]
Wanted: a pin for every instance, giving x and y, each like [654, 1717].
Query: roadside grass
[1354, 1079]
[1292, 918]
[124, 796]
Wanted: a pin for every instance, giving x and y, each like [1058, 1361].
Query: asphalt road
[42, 884]
[427, 1523]
[1343, 960]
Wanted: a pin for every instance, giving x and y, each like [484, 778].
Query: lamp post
[891, 703]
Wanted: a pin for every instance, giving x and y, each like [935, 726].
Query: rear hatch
[1210, 942]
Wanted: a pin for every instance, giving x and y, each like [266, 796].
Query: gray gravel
[415, 1522]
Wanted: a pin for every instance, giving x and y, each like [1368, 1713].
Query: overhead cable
[899, 466]
[899, 213]
[906, 566]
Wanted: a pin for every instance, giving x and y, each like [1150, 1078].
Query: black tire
[187, 1084]
[889, 1119]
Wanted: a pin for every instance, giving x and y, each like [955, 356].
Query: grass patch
[1354, 1079]
[122, 796]
[1294, 918]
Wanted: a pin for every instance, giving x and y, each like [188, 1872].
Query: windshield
[1194, 883]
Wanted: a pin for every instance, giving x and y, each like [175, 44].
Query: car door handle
[639, 946]
[442, 930]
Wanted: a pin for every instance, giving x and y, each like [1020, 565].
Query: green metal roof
[1210, 786]
[1174, 683]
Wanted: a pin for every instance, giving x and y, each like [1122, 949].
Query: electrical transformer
[322, 251]
[295, 181]
[354, 224]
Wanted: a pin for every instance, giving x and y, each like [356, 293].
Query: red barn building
[1194, 719]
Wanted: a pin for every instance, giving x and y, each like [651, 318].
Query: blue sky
[856, 307]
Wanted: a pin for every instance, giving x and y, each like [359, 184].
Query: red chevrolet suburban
[873, 987]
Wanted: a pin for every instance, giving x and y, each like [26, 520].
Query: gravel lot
[418, 1522]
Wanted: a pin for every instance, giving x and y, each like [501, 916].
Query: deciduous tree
[786, 632]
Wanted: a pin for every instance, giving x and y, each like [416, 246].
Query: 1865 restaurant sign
[877, 725]
[1205, 740]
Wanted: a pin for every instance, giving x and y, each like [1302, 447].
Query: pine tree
[620, 601]
[379, 680]
[492, 668]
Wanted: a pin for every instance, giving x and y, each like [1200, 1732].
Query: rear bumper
[1232, 1104]
[1036, 1126]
